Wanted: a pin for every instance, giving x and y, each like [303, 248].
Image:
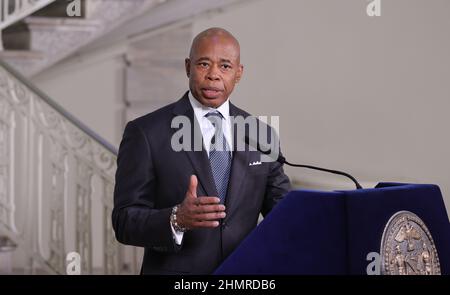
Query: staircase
[56, 174]
[56, 187]
[41, 33]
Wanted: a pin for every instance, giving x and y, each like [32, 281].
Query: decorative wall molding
[12, 11]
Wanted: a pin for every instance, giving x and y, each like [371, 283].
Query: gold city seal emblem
[407, 247]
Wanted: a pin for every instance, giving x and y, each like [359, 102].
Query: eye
[226, 66]
[203, 64]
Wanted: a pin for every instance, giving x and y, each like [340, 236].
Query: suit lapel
[198, 159]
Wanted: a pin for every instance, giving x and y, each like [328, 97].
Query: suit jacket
[151, 178]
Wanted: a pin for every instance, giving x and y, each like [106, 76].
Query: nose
[213, 74]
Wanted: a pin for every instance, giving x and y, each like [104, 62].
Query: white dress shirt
[207, 129]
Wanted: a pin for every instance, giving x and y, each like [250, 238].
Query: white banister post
[17, 7]
[3, 12]
[5, 9]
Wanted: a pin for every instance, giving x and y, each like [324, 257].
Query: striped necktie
[219, 156]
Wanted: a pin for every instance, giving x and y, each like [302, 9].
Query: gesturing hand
[195, 212]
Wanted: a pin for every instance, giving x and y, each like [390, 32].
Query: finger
[193, 186]
[207, 200]
[208, 209]
[209, 216]
[205, 224]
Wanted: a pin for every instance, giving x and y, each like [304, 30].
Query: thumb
[192, 190]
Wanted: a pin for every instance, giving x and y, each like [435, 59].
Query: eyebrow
[208, 59]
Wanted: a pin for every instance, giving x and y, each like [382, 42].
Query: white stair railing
[12, 11]
[56, 185]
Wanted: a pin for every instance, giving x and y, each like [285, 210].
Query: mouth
[211, 92]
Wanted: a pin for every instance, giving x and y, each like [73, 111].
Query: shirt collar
[201, 110]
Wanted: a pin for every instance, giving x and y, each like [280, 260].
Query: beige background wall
[91, 88]
[370, 96]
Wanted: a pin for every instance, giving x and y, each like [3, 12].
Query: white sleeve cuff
[177, 235]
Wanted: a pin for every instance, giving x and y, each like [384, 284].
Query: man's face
[213, 70]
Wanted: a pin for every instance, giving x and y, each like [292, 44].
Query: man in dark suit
[191, 208]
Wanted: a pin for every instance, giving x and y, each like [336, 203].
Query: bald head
[215, 35]
[213, 66]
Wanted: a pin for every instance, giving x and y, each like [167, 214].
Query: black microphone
[282, 160]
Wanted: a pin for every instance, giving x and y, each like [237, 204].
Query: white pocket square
[254, 163]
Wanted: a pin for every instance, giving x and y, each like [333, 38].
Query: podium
[316, 232]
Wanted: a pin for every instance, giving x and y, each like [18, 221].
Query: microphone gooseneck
[282, 160]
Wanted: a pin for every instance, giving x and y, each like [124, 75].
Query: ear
[187, 65]
[239, 73]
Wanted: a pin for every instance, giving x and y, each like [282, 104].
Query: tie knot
[215, 118]
[214, 114]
